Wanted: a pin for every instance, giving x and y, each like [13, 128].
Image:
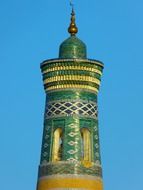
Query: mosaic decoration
[69, 167]
[74, 95]
[96, 144]
[70, 108]
[70, 155]
[68, 50]
[45, 153]
[72, 73]
[72, 136]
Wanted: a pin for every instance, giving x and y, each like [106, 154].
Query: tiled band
[65, 108]
[70, 182]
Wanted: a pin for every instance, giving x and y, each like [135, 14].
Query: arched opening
[57, 145]
[86, 144]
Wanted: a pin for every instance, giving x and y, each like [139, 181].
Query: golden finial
[72, 28]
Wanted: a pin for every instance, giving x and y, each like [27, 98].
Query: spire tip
[72, 28]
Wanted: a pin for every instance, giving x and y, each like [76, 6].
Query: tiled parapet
[72, 74]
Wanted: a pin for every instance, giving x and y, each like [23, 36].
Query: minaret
[70, 156]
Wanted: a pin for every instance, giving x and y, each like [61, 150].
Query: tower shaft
[70, 156]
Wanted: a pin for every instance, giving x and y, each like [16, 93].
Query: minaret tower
[70, 155]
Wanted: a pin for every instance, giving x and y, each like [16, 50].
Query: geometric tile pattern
[46, 144]
[96, 145]
[61, 65]
[70, 108]
[73, 140]
[72, 134]
[72, 151]
[72, 143]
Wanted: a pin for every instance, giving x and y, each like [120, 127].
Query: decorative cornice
[56, 60]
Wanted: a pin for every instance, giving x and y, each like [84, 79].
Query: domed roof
[72, 47]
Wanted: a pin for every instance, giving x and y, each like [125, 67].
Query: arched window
[57, 145]
[86, 144]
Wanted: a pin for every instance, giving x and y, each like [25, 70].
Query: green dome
[72, 48]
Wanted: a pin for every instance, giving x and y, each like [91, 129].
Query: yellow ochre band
[47, 184]
[66, 68]
[66, 86]
[72, 77]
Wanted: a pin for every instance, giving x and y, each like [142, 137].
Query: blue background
[30, 32]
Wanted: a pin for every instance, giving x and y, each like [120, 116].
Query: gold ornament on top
[72, 28]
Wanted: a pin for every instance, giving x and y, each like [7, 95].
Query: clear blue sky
[31, 31]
